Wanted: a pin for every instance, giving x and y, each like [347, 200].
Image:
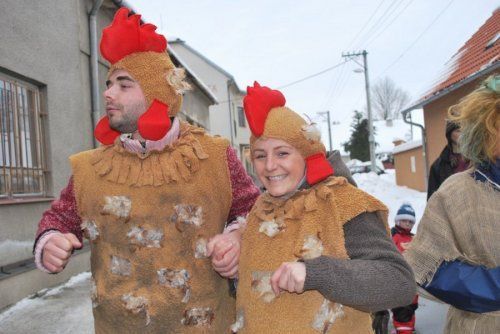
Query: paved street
[68, 309]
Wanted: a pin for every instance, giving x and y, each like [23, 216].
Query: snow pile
[384, 188]
[44, 296]
[12, 251]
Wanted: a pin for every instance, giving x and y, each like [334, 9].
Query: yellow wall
[435, 114]
[405, 176]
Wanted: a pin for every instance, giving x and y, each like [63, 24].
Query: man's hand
[57, 251]
[290, 277]
[225, 252]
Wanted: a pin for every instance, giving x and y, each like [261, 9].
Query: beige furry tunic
[148, 219]
[461, 222]
[305, 226]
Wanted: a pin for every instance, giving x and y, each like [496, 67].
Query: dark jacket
[441, 169]
[446, 164]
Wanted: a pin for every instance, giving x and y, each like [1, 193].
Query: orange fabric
[152, 214]
[308, 224]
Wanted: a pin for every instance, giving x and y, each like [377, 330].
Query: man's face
[125, 101]
[455, 135]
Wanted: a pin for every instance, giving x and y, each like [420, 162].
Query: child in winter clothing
[401, 232]
[403, 317]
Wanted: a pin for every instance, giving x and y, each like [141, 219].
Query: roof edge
[210, 62]
[444, 91]
[197, 81]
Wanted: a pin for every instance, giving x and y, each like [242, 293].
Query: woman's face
[279, 166]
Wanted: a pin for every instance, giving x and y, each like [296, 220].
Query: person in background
[456, 252]
[403, 317]
[449, 162]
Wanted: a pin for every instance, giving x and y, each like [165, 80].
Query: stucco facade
[224, 115]
[435, 115]
[409, 166]
[47, 45]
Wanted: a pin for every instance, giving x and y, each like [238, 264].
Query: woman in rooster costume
[316, 253]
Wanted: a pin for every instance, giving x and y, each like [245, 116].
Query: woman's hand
[290, 277]
[224, 249]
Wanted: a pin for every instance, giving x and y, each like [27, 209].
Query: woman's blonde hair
[478, 115]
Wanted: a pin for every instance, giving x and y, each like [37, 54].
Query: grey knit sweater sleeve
[376, 277]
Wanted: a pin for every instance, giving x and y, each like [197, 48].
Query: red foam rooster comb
[126, 35]
[258, 103]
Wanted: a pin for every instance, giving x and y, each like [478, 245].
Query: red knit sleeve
[62, 215]
[244, 191]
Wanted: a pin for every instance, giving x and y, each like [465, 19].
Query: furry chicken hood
[138, 49]
[269, 118]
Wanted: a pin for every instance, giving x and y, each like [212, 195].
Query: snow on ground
[14, 250]
[63, 309]
[68, 309]
[384, 188]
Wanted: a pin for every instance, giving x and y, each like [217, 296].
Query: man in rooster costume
[149, 200]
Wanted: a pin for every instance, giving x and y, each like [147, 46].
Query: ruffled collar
[176, 161]
[275, 208]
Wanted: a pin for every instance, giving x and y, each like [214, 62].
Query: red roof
[474, 55]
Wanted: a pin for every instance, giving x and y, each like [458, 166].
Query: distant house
[226, 117]
[46, 115]
[386, 131]
[477, 59]
[409, 164]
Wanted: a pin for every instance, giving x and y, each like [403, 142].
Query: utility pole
[329, 127]
[371, 137]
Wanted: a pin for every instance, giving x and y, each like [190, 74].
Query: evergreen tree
[358, 145]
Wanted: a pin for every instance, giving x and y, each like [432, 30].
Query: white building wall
[223, 117]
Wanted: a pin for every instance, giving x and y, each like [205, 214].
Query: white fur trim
[404, 217]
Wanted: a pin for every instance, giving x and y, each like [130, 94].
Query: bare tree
[388, 100]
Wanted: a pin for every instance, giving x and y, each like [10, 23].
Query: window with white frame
[22, 164]
[241, 117]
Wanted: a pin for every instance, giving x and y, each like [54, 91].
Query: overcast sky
[277, 42]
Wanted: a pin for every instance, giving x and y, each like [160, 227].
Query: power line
[366, 23]
[375, 25]
[312, 75]
[333, 89]
[417, 39]
[370, 41]
[296, 81]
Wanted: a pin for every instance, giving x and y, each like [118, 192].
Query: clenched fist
[57, 251]
[290, 276]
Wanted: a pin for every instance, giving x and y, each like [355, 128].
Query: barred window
[22, 163]
[241, 117]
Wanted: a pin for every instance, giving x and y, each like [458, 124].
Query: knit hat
[405, 212]
[138, 49]
[269, 118]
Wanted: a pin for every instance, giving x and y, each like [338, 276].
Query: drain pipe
[424, 143]
[94, 66]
